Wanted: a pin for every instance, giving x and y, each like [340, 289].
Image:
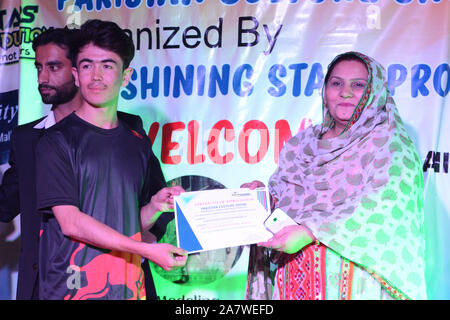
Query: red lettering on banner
[167, 143]
[213, 142]
[192, 158]
[194, 142]
[282, 135]
[244, 138]
[153, 131]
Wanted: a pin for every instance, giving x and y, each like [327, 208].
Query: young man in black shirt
[56, 85]
[94, 184]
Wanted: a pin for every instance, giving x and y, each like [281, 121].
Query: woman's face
[344, 89]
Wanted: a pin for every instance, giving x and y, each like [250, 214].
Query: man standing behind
[95, 197]
[56, 85]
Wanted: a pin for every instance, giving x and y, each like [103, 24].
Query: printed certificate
[221, 218]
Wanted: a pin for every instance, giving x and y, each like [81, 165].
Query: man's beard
[63, 93]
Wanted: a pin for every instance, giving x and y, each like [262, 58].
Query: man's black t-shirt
[105, 173]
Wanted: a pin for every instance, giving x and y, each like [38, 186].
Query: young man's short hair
[106, 35]
[62, 37]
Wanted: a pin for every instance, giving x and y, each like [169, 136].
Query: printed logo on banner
[14, 34]
[8, 120]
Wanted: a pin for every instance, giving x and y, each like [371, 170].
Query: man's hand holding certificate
[214, 219]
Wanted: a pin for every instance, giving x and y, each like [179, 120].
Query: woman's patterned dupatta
[360, 193]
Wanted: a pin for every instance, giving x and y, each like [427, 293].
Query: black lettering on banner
[433, 161]
[218, 30]
[169, 38]
[242, 30]
[29, 13]
[175, 37]
[196, 34]
[19, 15]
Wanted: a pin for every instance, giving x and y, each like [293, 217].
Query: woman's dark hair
[106, 35]
[348, 56]
[62, 37]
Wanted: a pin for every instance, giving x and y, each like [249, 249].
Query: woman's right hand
[253, 185]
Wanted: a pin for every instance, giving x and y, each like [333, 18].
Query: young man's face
[99, 74]
[55, 79]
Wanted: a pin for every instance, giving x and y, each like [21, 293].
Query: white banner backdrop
[222, 84]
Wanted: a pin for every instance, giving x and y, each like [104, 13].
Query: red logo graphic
[109, 269]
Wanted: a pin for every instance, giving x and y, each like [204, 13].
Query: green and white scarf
[360, 193]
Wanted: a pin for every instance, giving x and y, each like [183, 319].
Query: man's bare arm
[82, 227]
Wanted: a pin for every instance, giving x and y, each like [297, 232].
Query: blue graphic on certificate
[222, 218]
